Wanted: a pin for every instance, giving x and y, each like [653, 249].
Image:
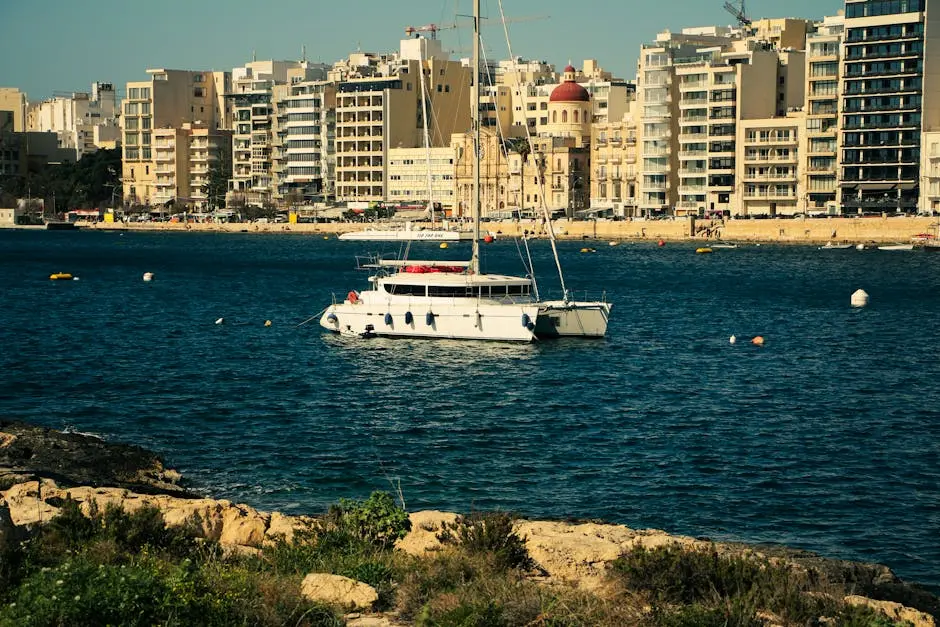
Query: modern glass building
[886, 104]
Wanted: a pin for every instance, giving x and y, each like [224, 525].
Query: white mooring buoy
[732, 339]
[859, 298]
[220, 321]
[148, 276]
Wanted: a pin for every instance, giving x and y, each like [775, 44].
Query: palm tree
[522, 147]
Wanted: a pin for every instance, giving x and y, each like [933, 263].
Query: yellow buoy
[267, 323]
[703, 250]
[60, 276]
[758, 341]
[443, 244]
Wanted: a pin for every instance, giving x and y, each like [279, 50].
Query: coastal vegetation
[92, 566]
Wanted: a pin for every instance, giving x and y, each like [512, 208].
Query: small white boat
[722, 246]
[831, 246]
[407, 235]
[897, 247]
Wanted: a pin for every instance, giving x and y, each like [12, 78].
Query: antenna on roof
[303, 53]
[739, 12]
[254, 56]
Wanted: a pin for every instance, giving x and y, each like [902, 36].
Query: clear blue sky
[63, 45]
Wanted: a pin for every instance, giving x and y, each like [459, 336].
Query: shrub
[151, 591]
[492, 533]
[377, 520]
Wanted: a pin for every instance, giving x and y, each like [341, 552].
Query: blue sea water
[826, 438]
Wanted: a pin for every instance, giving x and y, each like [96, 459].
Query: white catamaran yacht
[454, 300]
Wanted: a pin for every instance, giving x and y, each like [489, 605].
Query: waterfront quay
[879, 229]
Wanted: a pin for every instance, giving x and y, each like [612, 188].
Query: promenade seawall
[788, 231]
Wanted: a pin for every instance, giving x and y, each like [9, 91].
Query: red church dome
[570, 91]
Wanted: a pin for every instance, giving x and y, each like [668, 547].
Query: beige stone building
[766, 164]
[613, 165]
[14, 101]
[167, 101]
[425, 94]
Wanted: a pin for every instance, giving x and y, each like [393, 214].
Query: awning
[907, 185]
[876, 187]
[849, 185]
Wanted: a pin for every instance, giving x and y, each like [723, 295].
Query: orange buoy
[488, 239]
[352, 297]
[662, 242]
[758, 341]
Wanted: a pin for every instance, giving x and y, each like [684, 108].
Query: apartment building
[818, 148]
[268, 111]
[890, 101]
[168, 100]
[422, 100]
[417, 174]
[83, 121]
[767, 158]
[694, 90]
[185, 157]
[305, 129]
[658, 113]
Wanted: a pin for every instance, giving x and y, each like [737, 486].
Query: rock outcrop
[343, 592]
[229, 524]
[72, 459]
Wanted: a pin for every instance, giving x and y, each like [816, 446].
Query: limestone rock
[425, 526]
[580, 554]
[337, 590]
[6, 439]
[220, 520]
[894, 611]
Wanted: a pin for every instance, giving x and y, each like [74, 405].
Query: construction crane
[427, 28]
[433, 29]
[739, 13]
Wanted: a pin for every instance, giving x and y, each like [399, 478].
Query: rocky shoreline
[40, 468]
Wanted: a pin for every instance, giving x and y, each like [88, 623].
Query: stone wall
[793, 231]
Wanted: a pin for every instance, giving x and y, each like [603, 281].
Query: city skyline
[218, 36]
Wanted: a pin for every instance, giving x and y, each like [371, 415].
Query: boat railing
[575, 295]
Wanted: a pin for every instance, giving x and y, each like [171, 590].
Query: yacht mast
[475, 126]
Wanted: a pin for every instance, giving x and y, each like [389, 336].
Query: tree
[220, 172]
[522, 147]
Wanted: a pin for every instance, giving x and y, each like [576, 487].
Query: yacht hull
[572, 319]
[448, 319]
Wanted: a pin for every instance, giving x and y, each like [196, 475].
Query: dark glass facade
[881, 107]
